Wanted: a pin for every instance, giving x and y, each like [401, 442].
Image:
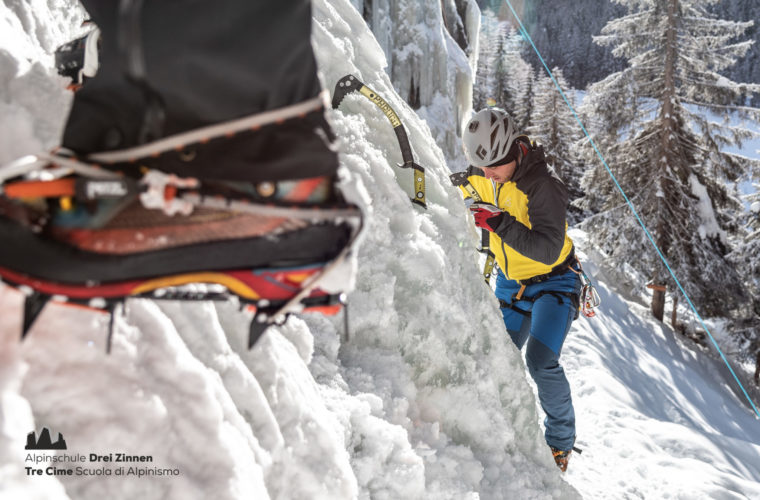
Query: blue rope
[525, 34]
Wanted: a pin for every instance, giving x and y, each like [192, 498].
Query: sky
[425, 399]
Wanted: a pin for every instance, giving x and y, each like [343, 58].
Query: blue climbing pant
[544, 324]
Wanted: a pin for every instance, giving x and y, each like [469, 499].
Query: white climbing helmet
[488, 137]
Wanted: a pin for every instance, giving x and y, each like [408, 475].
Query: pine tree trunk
[666, 156]
[674, 313]
[658, 303]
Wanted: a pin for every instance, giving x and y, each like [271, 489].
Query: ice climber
[523, 205]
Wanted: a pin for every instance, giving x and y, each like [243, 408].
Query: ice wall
[429, 48]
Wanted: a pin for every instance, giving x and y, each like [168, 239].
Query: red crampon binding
[266, 292]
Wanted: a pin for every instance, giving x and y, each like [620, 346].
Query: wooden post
[757, 368]
[674, 313]
[658, 300]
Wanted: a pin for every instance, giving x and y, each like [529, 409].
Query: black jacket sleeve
[547, 204]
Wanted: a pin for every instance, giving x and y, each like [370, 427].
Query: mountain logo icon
[44, 442]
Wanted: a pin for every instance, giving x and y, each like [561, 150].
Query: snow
[709, 227]
[658, 421]
[750, 148]
[426, 399]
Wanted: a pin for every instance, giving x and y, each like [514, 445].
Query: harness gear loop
[589, 298]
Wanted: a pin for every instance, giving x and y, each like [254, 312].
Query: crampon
[195, 164]
[562, 457]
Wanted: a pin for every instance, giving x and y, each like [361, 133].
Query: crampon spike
[34, 303]
[259, 324]
[112, 308]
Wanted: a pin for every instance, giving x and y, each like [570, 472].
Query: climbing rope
[525, 34]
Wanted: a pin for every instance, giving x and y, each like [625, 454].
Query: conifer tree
[520, 77]
[501, 92]
[516, 79]
[554, 126]
[483, 88]
[503, 77]
[746, 325]
[749, 250]
[657, 120]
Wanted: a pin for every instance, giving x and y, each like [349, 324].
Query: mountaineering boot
[561, 457]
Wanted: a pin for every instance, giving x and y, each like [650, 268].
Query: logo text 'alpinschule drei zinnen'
[44, 442]
[78, 464]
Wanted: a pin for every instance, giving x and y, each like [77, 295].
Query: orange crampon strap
[41, 189]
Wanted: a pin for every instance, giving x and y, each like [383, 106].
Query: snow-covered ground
[658, 418]
[427, 399]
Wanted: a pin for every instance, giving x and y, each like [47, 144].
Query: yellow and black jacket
[532, 239]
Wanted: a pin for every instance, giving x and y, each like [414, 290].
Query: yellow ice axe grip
[380, 103]
[488, 268]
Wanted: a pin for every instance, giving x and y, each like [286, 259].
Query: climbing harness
[518, 297]
[585, 302]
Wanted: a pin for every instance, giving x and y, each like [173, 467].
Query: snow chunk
[709, 228]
